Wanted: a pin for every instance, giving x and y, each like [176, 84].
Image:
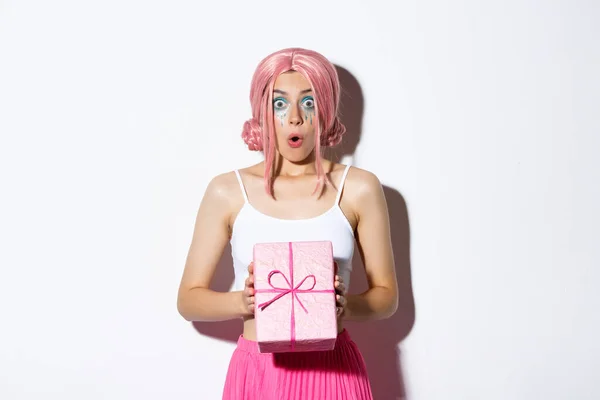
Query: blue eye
[308, 102]
[279, 103]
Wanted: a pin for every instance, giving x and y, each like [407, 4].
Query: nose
[295, 116]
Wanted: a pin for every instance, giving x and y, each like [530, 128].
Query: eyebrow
[285, 93]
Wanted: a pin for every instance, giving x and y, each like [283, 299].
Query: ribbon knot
[294, 290]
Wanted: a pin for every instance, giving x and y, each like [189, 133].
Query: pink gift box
[295, 306]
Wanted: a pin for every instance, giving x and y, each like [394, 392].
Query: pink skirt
[339, 374]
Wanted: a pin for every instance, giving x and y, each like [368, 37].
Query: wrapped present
[295, 306]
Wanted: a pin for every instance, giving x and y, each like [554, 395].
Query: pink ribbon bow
[294, 290]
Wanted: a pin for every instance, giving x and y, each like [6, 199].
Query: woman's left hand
[340, 296]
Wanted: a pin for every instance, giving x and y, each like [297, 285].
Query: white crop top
[252, 226]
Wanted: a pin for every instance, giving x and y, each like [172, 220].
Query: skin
[363, 204]
[292, 101]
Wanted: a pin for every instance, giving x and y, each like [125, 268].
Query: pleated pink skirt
[339, 374]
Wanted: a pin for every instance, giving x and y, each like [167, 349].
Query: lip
[299, 135]
[297, 143]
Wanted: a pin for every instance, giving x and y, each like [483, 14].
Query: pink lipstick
[295, 140]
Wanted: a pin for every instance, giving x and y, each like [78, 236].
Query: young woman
[293, 195]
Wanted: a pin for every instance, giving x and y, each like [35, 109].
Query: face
[294, 116]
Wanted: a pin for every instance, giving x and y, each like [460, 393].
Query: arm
[375, 246]
[195, 301]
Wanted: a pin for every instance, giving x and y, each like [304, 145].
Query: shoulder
[362, 182]
[226, 186]
[222, 185]
[363, 190]
[224, 189]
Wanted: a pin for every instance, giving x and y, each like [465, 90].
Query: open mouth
[295, 140]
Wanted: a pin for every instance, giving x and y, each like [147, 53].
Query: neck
[288, 168]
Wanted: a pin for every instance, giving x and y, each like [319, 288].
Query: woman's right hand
[248, 292]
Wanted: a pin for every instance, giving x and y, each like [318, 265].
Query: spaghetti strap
[341, 186]
[242, 188]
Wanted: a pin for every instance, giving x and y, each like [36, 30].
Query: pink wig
[259, 132]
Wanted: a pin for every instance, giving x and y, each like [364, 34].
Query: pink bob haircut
[259, 132]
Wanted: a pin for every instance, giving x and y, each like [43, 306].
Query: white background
[481, 119]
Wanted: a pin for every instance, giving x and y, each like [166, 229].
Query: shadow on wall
[351, 111]
[379, 340]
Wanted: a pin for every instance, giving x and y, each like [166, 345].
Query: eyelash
[309, 98]
[304, 100]
[279, 99]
